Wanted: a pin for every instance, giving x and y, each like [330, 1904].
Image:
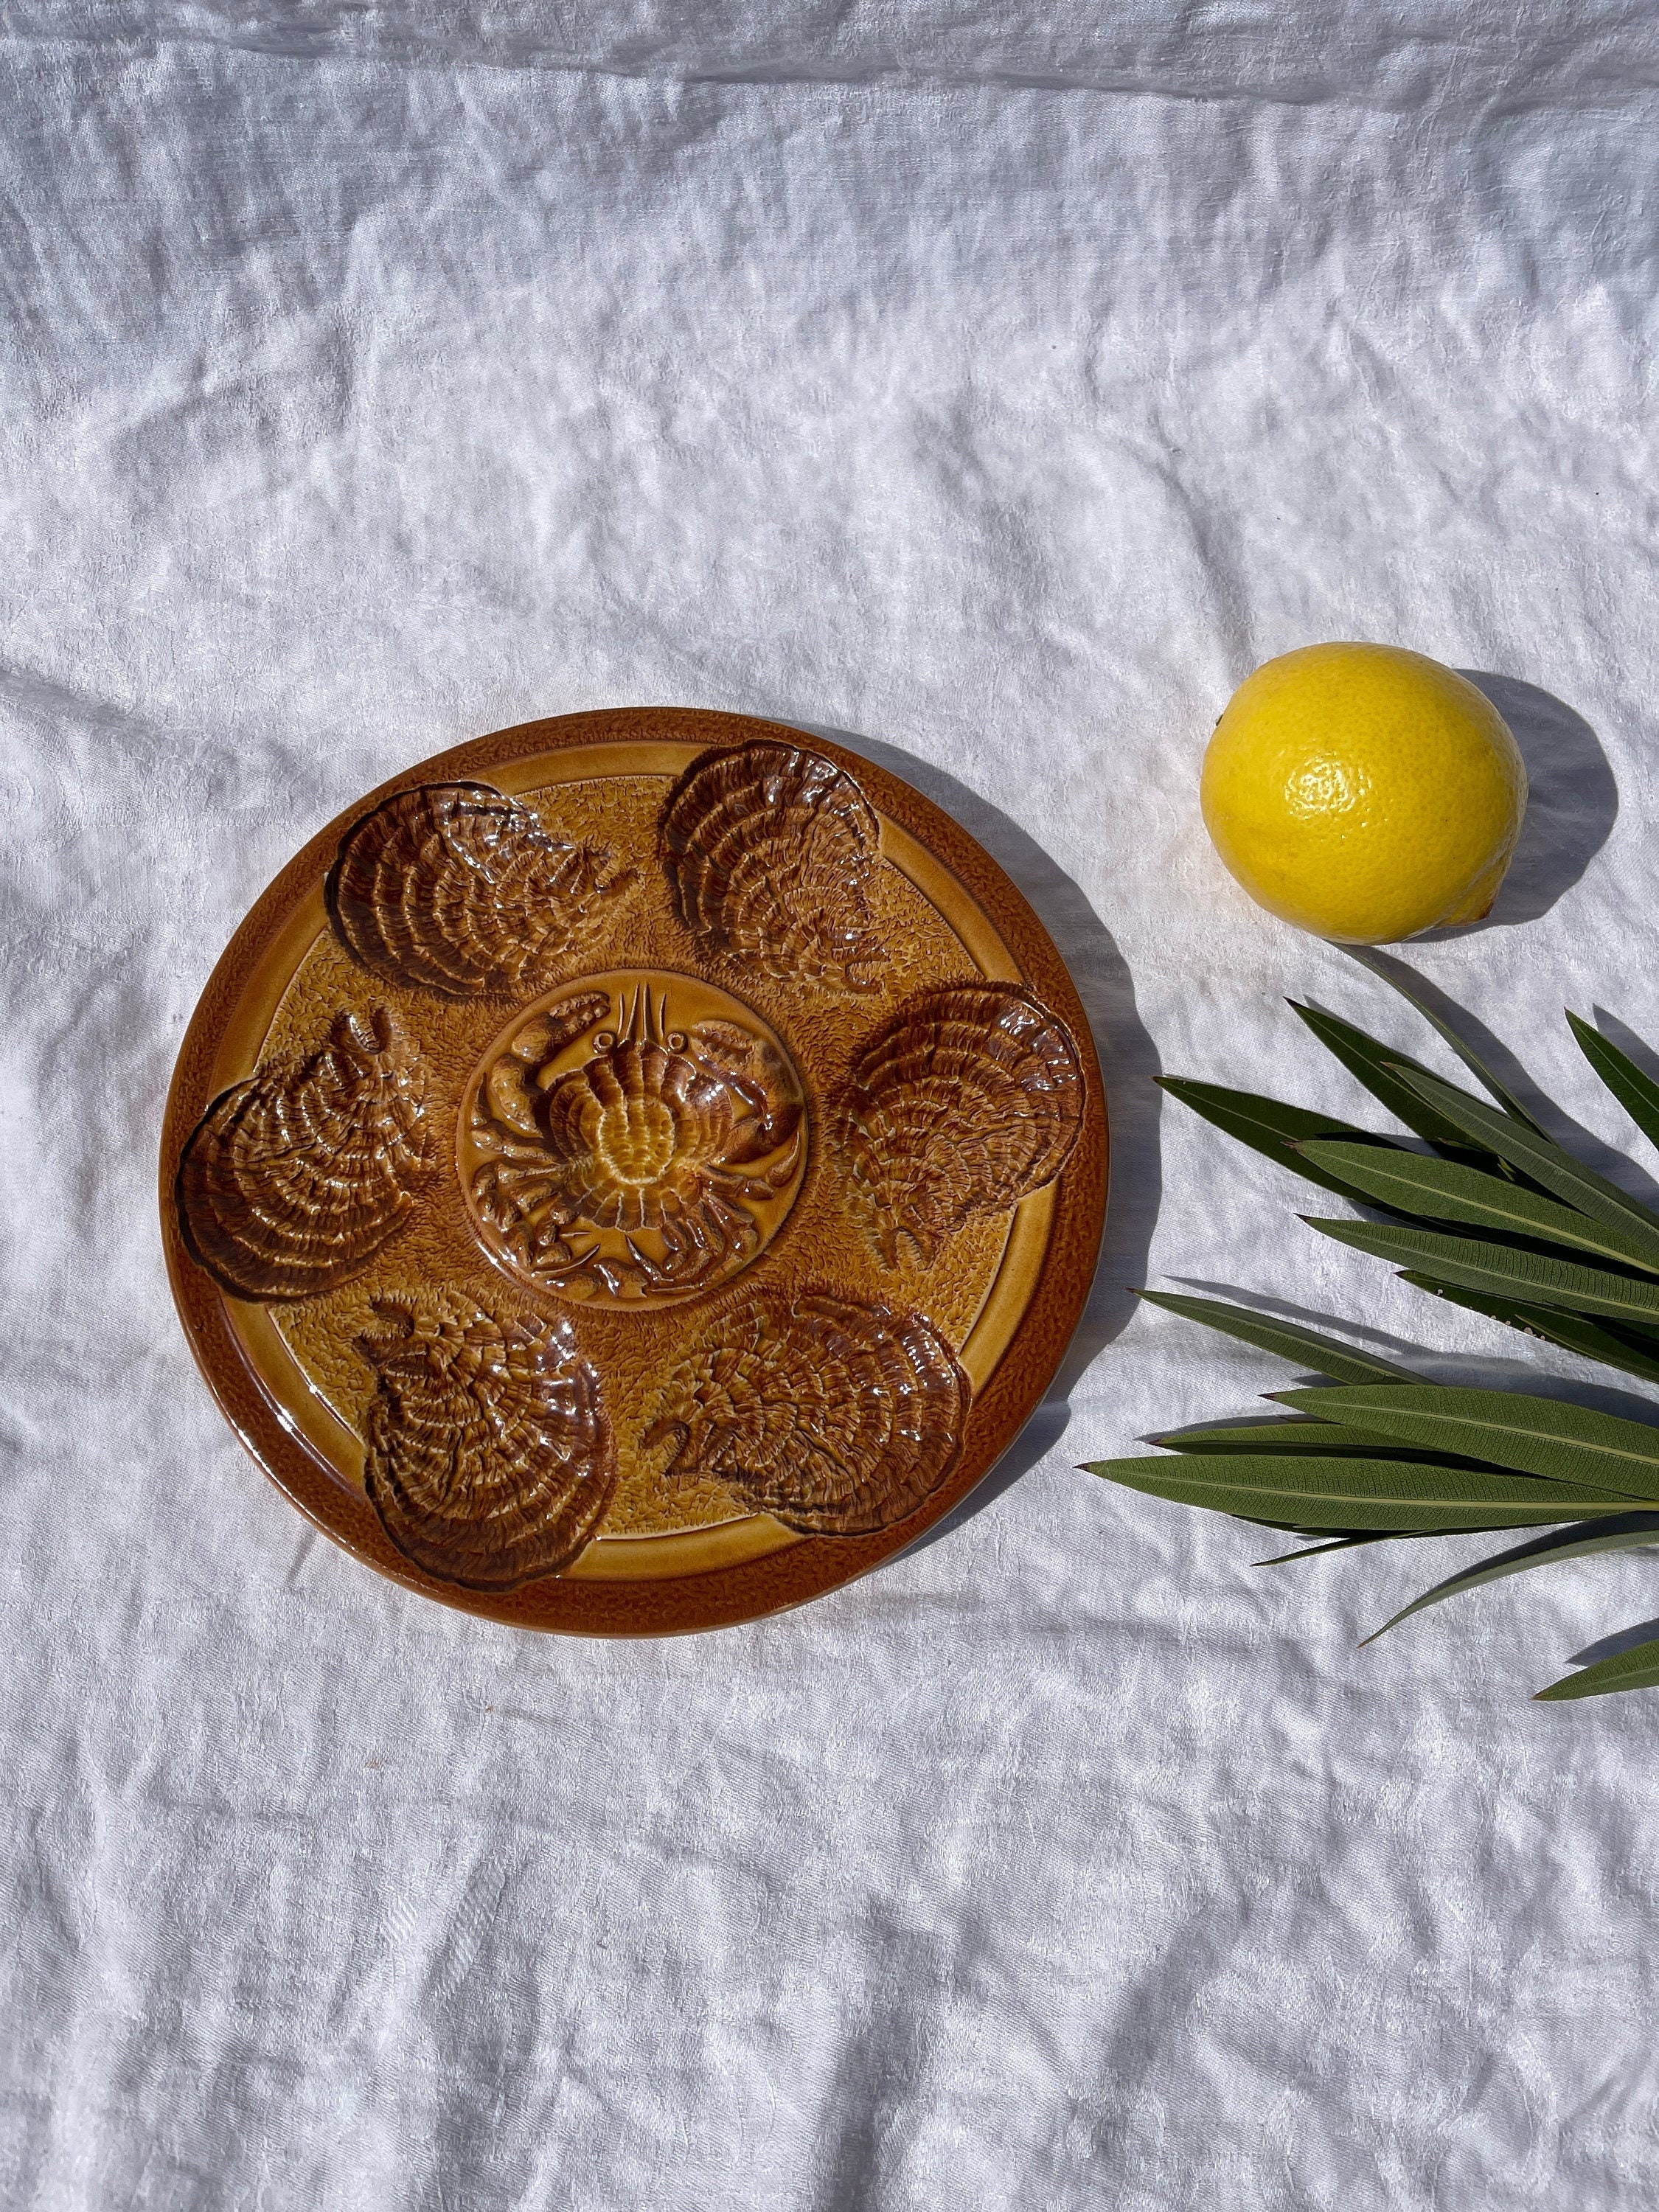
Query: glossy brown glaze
[835, 1418]
[414, 1454]
[453, 888]
[769, 848]
[293, 1179]
[652, 1167]
[491, 1458]
[967, 1100]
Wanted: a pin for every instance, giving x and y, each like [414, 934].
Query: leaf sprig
[1494, 1216]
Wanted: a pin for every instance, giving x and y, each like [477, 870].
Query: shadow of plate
[1128, 1062]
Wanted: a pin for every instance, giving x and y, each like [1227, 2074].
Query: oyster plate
[635, 1172]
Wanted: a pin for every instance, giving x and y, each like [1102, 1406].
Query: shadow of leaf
[1265, 1302]
[1473, 1370]
[1594, 1152]
[1609, 1647]
[1634, 1047]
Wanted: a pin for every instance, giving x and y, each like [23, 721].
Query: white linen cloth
[999, 387]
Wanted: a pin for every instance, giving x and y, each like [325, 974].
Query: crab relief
[635, 1141]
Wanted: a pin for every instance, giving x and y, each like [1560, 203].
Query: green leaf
[1320, 1437]
[1442, 1190]
[1635, 1670]
[1631, 1532]
[1637, 1093]
[1475, 1265]
[1477, 1067]
[1265, 1125]
[1546, 1437]
[1540, 1157]
[1301, 1492]
[1305, 1347]
[1378, 1067]
[1612, 1347]
[1336, 1544]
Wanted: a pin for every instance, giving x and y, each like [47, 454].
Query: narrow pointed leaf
[1629, 1532]
[1638, 1094]
[1378, 1067]
[1546, 1437]
[1304, 1347]
[1471, 1059]
[1612, 1347]
[1336, 1544]
[1541, 1158]
[1444, 1190]
[1474, 1265]
[1265, 1125]
[1320, 1437]
[1350, 1495]
[1635, 1670]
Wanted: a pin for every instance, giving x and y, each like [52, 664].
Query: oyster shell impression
[491, 1458]
[769, 850]
[608, 1152]
[457, 888]
[294, 1178]
[966, 1101]
[835, 1418]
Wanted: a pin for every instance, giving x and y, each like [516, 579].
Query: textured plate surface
[635, 1172]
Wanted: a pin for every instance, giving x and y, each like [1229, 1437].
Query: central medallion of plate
[633, 1139]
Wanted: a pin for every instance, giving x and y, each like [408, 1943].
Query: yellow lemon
[1364, 793]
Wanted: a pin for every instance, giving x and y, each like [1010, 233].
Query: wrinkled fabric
[996, 387]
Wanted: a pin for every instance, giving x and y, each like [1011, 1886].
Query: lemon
[1364, 793]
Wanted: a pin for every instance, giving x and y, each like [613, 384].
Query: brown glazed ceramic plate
[633, 1172]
